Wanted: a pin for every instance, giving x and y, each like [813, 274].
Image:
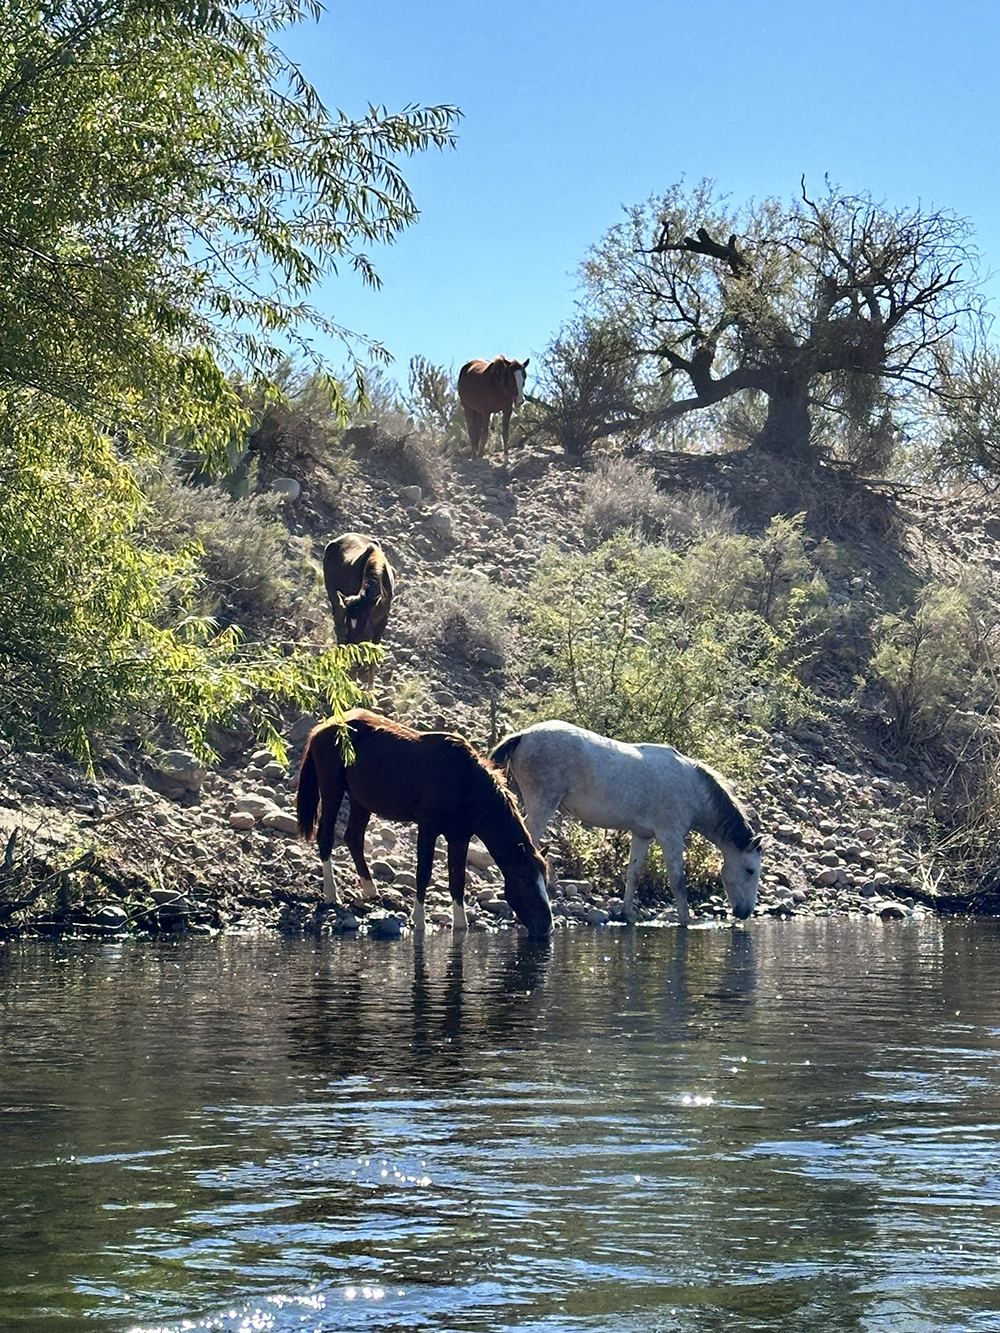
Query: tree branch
[703, 245]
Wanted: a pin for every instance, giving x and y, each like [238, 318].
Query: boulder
[442, 524]
[385, 926]
[281, 821]
[258, 806]
[174, 773]
[287, 487]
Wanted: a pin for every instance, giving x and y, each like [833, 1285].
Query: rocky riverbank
[170, 846]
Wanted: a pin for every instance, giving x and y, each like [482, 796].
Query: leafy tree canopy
[170, 189]
[824, 310]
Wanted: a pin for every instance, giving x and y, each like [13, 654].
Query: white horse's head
[741, 878]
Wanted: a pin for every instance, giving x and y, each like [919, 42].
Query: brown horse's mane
[375, 563]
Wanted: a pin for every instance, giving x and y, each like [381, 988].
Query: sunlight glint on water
[789, 1127]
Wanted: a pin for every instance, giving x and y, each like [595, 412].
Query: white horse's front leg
[673, 859]
[329, 884]
[640, 846]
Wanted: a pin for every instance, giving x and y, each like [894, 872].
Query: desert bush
[399, 439]
[299, 428]
[590, 389]
[935, 663]
[237, 545]
[462, 613]
[434, 405]
[696, 514]
[621, 493]
[692, 648]
[294, 424]
[412, 457]
[962, 831]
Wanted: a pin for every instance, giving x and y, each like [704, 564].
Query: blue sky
[572, 111]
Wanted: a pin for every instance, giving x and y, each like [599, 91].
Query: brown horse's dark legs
[331, 791]
[458, 851]
[474, 425]
[426, 841]
[354, 836]
[482, 435]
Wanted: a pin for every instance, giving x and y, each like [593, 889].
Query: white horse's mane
[733, 825]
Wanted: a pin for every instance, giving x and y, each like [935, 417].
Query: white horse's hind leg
[673, 859]
[637, 855]
[329, 884]
[538, 814]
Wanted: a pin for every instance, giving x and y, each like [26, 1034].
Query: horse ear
[341, 600]
[757, 842]
[544, 849]
[524, 363]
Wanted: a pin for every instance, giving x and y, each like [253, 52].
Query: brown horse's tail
[307, 795]
[502, 753]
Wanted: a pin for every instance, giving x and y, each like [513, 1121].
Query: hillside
[850, 819]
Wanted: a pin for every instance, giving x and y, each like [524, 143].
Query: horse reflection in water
[433, 779]
[434, 1014]
[651, 790]
[708, 978]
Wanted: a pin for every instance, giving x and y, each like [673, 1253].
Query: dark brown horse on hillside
[485, 387]
[359, 583]
[433, 779]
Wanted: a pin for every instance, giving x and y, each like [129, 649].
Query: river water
[789, 1127]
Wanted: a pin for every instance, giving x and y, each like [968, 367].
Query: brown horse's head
[524, 888]
[351, 619]
[516, 370]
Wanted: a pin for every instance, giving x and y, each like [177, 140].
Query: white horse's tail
[501, 754]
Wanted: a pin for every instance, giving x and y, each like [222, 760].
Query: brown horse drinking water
[433, 779]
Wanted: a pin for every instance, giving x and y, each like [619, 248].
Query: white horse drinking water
[651, 790]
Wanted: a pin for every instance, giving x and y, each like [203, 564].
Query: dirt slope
[172, 847]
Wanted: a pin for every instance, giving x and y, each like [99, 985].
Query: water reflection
[429, 1012]
[783, 1127]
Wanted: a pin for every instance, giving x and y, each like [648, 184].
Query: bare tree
[834, 306]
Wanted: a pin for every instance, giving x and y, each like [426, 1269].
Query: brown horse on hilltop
[433, 779]
[485, 387]
[359, 583]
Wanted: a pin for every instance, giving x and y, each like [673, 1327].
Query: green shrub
[601, 855]
[462, 613]
[692, 648]
[925, 662]
[237, 546]
[99, 632]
